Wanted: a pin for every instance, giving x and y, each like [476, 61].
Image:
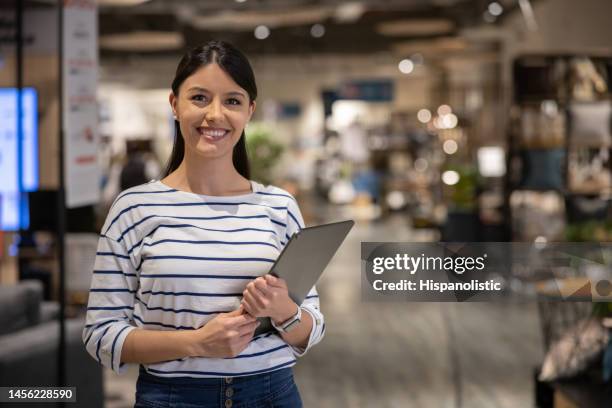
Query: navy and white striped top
[171, 260]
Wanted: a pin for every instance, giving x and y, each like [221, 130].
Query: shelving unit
[559, 140]
[560, 177]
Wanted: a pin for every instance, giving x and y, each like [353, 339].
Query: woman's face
[212, 111]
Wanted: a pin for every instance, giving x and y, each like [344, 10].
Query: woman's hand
[267, 296]
[226, 335]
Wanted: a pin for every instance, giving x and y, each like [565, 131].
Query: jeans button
[228, 403]
[228, 380]
[229, 392]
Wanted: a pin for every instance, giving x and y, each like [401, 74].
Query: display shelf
[560, 104]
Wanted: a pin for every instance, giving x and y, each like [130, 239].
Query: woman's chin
[211, 151]
[205, 148]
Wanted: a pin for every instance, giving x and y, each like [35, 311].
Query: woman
[180, 273]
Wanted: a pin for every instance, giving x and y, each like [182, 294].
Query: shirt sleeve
[110, 307]
[310, 304]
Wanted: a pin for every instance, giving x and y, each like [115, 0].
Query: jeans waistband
[276, 374]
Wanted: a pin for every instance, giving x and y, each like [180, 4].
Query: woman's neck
[216, 177]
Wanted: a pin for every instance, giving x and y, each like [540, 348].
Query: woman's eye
[233, 101]
[198, 98]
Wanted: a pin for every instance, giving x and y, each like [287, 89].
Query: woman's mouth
[213, 134]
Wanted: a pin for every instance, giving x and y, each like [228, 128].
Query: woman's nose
[214, 111]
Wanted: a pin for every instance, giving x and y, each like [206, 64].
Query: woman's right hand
[226, 335]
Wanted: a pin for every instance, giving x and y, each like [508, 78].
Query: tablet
[304, 259]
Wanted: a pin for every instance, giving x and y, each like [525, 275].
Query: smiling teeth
[214, 133]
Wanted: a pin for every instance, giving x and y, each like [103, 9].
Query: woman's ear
[252, 107]
[172, 100]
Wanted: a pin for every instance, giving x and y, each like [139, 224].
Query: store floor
[404, 355]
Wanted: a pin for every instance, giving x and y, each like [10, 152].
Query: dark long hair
[237, 66]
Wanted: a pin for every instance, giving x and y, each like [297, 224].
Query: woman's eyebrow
[200, 89]
[236, 93]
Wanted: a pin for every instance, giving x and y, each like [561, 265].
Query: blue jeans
[274, 389]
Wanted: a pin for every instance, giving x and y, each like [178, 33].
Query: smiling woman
[181, 269]
[212, 109]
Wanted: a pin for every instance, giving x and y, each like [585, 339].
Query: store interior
[422, 120]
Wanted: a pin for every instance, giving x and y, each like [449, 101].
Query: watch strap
[290, 323]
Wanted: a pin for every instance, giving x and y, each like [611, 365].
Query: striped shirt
[172, 260]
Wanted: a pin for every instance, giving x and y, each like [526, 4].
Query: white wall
[137, 114]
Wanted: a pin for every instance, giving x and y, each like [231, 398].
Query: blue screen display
[18, 158]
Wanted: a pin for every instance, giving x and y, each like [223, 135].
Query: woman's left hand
[268, 296]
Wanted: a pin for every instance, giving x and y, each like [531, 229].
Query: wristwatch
[290, 323]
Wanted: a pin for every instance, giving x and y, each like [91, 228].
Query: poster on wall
[80, 73]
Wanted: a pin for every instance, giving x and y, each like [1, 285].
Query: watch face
[291, 325]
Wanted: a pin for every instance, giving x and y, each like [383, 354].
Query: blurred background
[423, 120]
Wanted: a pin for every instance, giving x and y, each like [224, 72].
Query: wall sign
[80, 73]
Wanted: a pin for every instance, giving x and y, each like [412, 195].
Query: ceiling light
[349, 12]
[406, 66]
[262, 32]
[495, 9]
[450, 177]
[450, 147]
[450, 121]
[396, 200]
[424, 115]
[317, 30]
[241, 1]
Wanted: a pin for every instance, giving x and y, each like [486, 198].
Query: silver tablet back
[304, 259]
